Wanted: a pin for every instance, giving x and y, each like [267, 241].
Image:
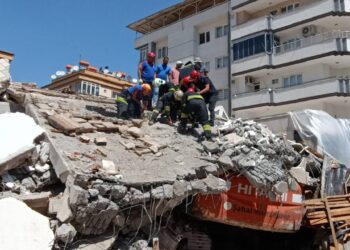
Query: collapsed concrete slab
[18, 133]
[23, 228]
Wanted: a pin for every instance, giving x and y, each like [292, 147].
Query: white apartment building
[187, 30]
[286, 55]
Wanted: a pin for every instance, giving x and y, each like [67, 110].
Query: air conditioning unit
[249, 80]
[309, 30]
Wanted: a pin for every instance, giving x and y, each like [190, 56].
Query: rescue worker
[169, 104]
[208, 91]
[133, 101]
[186, 83]
[194, 108]
[147, 72]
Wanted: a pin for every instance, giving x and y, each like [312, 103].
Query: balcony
[248, 63]
[299, 49]
[250, 27]
[314, 9]
[270, 97]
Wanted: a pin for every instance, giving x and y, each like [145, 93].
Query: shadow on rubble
[108, 112]
[228, 237]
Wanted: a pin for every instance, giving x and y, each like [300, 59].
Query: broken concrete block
[225, 161]
[109, 167]
[16, 159]
[103, 242]
[215, 184]
[29, 184]
[85, 128]
[199, 186]
[101, 141]
[137, 122]
[180, 188]
[118, 192]
[154, 149]
[93, 192]
[33, 227]
[44, 152]
[64, 214]
[66, 233]
[233, 138]
[78, 196]
[84, 139]
[280, 187]
[101, 151]
[63, 123]
[135, 132]
[300, 175]
[210, 147]
[54, 205]
[162, 192]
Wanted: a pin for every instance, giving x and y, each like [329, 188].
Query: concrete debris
[135, 132]
[109, 167]
[84, 138]
[18, 219]
[65, 233]
[142, 170]
[101, 141]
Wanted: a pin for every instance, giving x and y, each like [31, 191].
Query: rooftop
[172, 14]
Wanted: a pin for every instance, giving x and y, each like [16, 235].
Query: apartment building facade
[284, 55]
[289, 56]
[187, 30]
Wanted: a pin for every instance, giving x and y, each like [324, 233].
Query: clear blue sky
[45, 35]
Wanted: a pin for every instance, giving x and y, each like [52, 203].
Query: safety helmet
[146, 89]
[158, 82]
[187, 80]
[190, 90]
[178, 95]
[151, 54]
[195, 74]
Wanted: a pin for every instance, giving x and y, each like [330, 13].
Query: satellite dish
[60, 73]
[53, 77]
[75, 68]
[134, 80]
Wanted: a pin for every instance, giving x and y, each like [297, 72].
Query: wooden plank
[335, 241]
[330, 205]
[334, 212]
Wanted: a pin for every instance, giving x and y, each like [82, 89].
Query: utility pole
[229, 75]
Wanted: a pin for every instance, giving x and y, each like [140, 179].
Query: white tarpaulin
[331, 136]
[17, 131]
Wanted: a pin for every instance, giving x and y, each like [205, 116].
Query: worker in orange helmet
[194, 109]
[133, 101]
[207, 90]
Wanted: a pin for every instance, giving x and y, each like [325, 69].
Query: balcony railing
[316, 39]
[271, 96]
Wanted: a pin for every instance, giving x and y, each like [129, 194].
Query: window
[221, 62]
[221, 31]
[252, 46]
[292, 80]
[275, 81]
[204, 37]
[223, 94]
[291, 44]
[114, 94]
[165, 51]
[90, 88]
[162, 52]
[290, 8]
[143, 53]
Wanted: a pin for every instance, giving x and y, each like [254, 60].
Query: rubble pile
[252, 150]
[124, 177]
